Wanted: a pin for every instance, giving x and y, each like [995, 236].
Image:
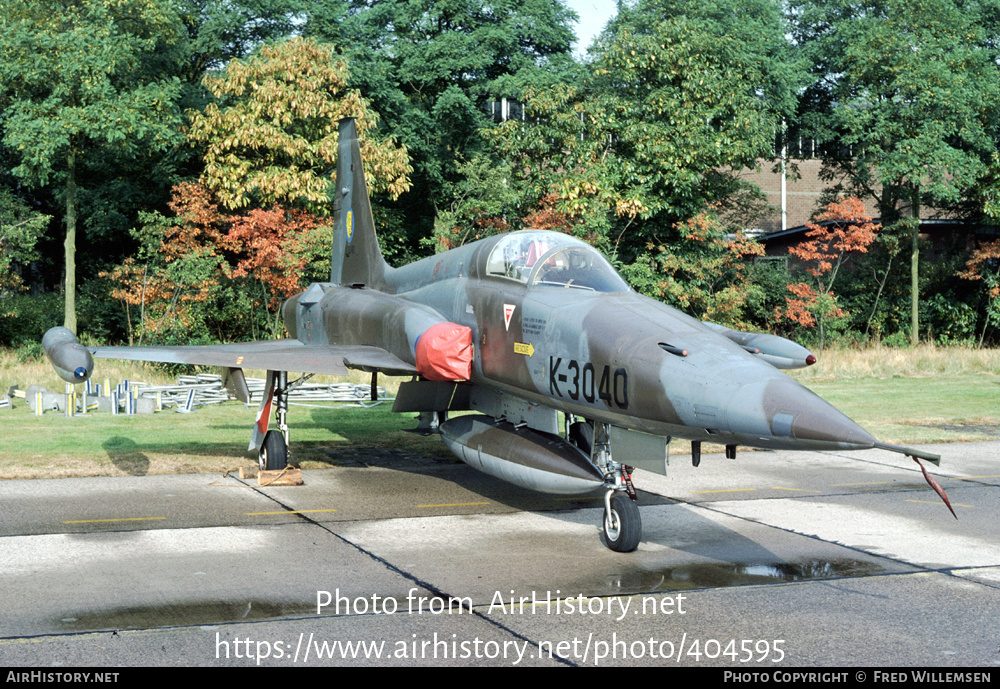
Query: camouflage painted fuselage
[560, 329]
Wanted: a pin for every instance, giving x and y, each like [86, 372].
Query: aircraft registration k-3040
[521, 327]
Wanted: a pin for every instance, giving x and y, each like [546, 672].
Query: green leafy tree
[910, 92]
[219, 31]
[484, 205]
[430, 66]
[78, 77]
[20, 229]
[676, 101]
[272, 138]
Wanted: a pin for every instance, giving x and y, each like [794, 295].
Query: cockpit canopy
[552, 259]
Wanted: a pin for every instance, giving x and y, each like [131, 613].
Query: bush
[29, 353]
[25, 318]
[950, 321]
[899, 340]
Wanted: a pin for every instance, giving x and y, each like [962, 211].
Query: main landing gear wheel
[273, 455]
[622, 524]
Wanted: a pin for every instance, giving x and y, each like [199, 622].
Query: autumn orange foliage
[201, 247]
[846, 227]
[984, 254]
[548, 216]
[196, 236]
[267, 244]
[985, 266]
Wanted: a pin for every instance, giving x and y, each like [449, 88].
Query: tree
[429, 67]
[484, 205]
[676, 100]
[199, 256]
[219, 31]
[77, 75]
[984, 266]
[20, 229]
[178, 268]
[911, 93]
[276, 246]
[273, 136]
[846, 228]
[702, 273]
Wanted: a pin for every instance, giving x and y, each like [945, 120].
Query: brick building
[800, 197]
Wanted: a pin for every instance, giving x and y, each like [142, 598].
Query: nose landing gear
[622, 524]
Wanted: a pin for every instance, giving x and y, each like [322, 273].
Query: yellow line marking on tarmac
[873, 483]
[797, 490]
[257, 514]
[726, 490]
[121, 519]
[457, 504]
[969, 478]
[937, 502]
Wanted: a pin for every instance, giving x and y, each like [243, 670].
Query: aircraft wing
[272, 355]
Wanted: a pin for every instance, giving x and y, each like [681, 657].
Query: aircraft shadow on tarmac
[705, 554]
[695, 551]
[130, 457]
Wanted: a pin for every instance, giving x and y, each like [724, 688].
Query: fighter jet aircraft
[574, 377]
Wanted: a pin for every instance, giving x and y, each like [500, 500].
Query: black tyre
[581, 434]
[273, 454]
[623, 525]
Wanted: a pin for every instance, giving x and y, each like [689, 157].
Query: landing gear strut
[622, 523]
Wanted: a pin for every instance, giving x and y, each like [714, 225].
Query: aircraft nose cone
[796, 416]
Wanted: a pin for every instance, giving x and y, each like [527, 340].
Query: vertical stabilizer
[356, 257]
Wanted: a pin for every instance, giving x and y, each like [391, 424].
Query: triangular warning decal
[508, 311]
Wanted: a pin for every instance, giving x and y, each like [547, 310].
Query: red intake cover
[444, 352]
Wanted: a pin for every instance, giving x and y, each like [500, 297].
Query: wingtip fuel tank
[71, 360]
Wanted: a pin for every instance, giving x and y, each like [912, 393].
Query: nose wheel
[622, 523]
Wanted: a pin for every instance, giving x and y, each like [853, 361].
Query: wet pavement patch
[183, 614]
[722, 574]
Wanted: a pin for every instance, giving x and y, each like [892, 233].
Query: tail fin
[357, 258]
